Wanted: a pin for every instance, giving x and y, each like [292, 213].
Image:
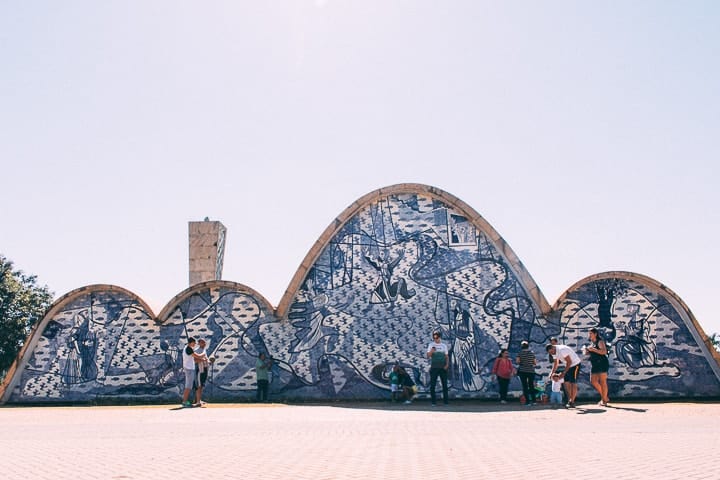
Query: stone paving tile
[361, 441]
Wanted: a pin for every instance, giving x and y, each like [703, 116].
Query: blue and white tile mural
[653, 348]
[97, 344]
[399, 267]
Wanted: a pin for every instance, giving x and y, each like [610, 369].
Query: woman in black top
[599, 365]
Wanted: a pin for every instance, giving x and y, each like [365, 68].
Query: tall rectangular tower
[207, 249]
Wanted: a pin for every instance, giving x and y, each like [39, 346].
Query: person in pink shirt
[504, 370]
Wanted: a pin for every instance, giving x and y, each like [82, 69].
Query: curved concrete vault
[397, 264]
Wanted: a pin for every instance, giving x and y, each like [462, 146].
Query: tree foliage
[22, 304]
[715, 340]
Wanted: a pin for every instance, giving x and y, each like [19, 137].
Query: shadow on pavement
[470, 406]
[454, 406]
[628, 409]
[585, 411]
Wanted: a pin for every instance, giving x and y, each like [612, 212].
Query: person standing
[599, 365]
[188, 357]
[563, 353]
[437, 352]
[202, 366]
[526, 371]
[395, 384]
[504, 370]
[262, 369]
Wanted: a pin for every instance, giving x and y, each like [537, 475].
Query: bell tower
[206, 241]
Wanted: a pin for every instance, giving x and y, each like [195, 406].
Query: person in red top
[504, 370]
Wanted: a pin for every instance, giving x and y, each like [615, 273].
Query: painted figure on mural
[462, 320]
[388, 289]
[82, 345]
[636, 348]
[462, 231]
[168, 368]
[307, 316]
[464, 361]
[607, 292]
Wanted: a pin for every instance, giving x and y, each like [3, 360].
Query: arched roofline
[411, 188]
[31, 342]
[651, 282]
[198, 287]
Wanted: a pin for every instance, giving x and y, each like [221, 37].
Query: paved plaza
[368, 440]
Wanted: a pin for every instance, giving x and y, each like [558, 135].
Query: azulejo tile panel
[400, 266]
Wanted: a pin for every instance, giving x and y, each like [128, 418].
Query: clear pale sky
[586, 133]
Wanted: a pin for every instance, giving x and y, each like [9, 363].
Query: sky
[586, 133]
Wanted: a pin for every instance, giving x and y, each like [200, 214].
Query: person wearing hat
[526, 371]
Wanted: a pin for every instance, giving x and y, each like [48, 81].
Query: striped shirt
[526, 361]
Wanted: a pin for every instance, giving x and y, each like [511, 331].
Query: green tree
[715, 340]
[22, 304]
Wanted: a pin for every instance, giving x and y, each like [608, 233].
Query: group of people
[566, 364]
[564, 373]
[196, 365]
[402, 386]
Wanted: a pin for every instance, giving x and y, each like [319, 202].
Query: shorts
[600, 365]
[189, 378]
[202, 378]
[572, 374]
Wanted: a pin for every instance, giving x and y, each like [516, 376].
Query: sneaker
[503, 402]
[570, 405]
[433, 405]
[186, 404]
[408, 402]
